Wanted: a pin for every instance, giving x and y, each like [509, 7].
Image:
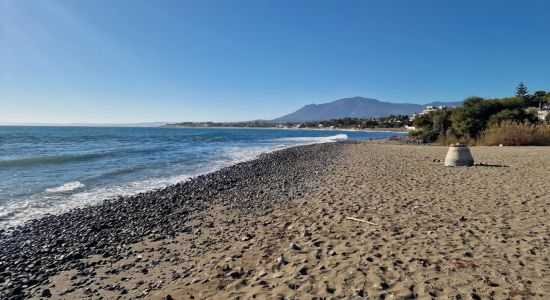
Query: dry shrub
[516, 134]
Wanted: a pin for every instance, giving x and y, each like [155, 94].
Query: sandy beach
[419, 230]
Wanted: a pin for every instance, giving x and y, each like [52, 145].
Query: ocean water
[49, 170]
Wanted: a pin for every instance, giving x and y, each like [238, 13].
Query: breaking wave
[67, 187]
[317, 139]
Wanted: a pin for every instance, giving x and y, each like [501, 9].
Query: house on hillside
[543, 113]
[428, 110]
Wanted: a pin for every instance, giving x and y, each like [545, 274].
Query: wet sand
[434, 232]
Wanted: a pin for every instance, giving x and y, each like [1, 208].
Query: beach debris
[331, 253]
[281, 260]
[459, 155]
[246, 237]
[361, 220]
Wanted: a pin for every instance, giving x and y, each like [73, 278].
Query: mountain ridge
[355, 107]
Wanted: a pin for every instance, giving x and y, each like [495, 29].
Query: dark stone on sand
[46, 293]
[294, 246]
[293, 286]
[234, 274]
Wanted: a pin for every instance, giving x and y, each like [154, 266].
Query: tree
[521, 90]
[541, 96]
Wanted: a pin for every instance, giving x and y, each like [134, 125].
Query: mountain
[356, 107]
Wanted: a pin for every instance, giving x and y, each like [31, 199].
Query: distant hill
[356, 107]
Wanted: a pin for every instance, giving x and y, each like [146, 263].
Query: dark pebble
[46, 293]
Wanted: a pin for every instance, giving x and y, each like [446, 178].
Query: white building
[429, 109]
[542, 114]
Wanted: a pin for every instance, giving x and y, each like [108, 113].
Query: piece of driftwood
[361, 220]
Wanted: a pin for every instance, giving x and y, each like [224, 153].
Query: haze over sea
[49, 170]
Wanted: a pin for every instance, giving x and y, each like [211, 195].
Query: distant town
[403, 122]
[390, 122]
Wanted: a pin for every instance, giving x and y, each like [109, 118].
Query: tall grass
[516, 134]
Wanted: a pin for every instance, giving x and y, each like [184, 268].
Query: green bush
[516, 115]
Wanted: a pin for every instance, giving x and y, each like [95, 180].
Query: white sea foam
[67, 187]
[317, 139]
[39, 205]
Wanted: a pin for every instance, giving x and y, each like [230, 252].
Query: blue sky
[123, 61]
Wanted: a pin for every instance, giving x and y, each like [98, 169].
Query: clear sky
[136, 61]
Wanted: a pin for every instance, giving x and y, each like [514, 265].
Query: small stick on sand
[360, 220]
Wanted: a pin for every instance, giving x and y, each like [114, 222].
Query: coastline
[475, 232]
[397, 130]
[61, 242]
[88, 175]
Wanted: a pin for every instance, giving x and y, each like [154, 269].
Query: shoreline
[396, 130]
[228, 164]
[93, 194]
[127, 220]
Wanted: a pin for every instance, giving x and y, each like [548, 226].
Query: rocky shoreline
[34, 252]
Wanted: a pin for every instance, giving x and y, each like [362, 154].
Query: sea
[50, 170]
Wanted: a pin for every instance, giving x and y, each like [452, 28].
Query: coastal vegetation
[391, 121]
[509, 121]
[516, 134]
